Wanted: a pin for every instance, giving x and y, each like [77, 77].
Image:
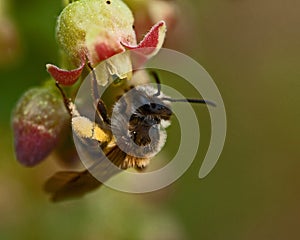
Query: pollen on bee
[100, 135]
[85, 128]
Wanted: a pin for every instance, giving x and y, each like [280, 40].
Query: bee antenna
[200, 101]
[155, 75]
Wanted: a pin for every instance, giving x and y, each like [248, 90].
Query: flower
[96, 30]
[37, 120]
[148, 12]
[10, 47]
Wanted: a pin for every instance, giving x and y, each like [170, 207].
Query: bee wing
[70, 184]
[75, 184]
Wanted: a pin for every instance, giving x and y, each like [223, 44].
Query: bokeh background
[251, 48]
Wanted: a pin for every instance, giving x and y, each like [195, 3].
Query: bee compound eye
[146, 107]
[157, 107]
[153, 105]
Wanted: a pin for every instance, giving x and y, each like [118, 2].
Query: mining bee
[129, 140]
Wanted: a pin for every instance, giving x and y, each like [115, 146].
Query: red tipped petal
[152, 42]
[105, 51]
[65, 77]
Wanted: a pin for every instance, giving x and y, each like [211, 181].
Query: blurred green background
[252, 51]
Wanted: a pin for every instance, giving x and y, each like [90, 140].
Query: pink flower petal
[105, 51]
[65, 77]
[152, 42]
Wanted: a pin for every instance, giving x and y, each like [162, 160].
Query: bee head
[146, 118]
[155, 110]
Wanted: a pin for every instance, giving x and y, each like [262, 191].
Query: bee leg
[67, 102]
[99, 104]
[101, 109]
[140, 168]
[155, 75]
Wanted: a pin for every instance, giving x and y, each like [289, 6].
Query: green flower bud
[95, 28]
